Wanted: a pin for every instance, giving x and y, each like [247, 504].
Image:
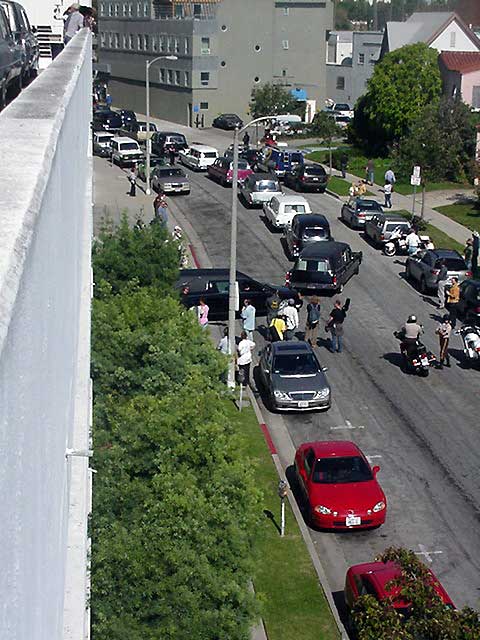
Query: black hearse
[324, 266]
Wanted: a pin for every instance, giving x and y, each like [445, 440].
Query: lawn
[439, 239]
[338, 186]
[466, 214]
[407, 189]
[285, 582]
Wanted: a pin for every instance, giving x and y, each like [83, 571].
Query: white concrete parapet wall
[45, 232]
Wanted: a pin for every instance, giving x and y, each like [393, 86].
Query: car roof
[284, 149]
[311, 218]
[263, 176]
[333, 448]
[360, 201]
[228, 115]
[389, 217]
[108, 134]
[291, 347]
[323, 249]
[289, 199]
[446, 253]
[124, 139]
[208, 274]
[202, 147]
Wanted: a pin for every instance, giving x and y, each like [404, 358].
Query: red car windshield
[341, 470]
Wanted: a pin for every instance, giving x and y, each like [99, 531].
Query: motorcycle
[416, 358]
[397, 244]
[471, 342]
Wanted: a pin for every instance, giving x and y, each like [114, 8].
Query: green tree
[273, 100]
[324, 126]
[402, 84]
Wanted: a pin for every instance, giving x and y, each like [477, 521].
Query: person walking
[453, 298]
[248, 317]
[442, 280]
[370, 172]
[468, 253]
[171, 155]
[313, 321]
[202, 313]
[132, 178]
[273, 304]
[344, 165]
[244, 358]
[73, 23]
[444, 331]
[160, 209]
[246, 140]
[223, 344]
[335, 326]
[290, 314]
[277, 329]
[390, 177]
[387, 190]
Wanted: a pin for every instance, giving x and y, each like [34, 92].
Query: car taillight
[287, 278]
[382, 237]
[434, 272]
[468, 274]
[360, 215]
[477, 309]
[334, 279]
[302, 178]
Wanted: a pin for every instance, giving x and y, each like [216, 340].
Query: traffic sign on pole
[415, 180]
[416, 171]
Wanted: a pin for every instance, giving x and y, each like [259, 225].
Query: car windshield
[310, 233]
[295, 364]
[314, 171]
[209, 154]
[267, 185]
[368, 205]
[453, 264]
[340, 106]
[165, 173]
[312, 265]
[295, 208]
[129, 146]
[342, 119]
[341, 470]
[295, 157]
[178, 139]
[241, 165]
[397, 225]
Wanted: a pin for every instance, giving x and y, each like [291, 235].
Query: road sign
[415, 180]
[416, 171]
[196, 108]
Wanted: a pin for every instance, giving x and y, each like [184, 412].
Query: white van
[125, 151]
[198, 156]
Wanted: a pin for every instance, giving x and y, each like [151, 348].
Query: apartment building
[223, 49]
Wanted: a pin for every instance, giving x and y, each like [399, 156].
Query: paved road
[422, 432]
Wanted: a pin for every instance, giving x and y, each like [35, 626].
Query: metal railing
[184, 10]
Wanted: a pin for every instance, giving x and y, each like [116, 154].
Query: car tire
[423, 373]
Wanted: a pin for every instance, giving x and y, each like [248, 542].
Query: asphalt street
[422, 432]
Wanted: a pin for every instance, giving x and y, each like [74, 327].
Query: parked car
[198, 156]
[357, 211]
[222, 171]
[125, 151]
[10, 61]
[374, 579]
[228, 121]
[259, 188]
[127, 116]
[137, 129]
[424, 267]
[162, 141]
[381, 226]
[281, 209]
[24, 36]
[304, 230]
[250, 155]
[307, 177]
[279, 160]
[342, 109]
[339, 486]
[106, 121]
[213, 285]
[102, 143]
[293, 378]
[170, 179]
[324, 266]
[155, 161]
[469, 304]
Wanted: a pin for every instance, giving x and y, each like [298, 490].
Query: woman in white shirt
[244, 358]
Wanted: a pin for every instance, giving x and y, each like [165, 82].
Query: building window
[177, 77]
[116, 8]
[102, 8]
[205, 46]
[145, 9]
[116, 40]
[139, 9]
[179, 12]
[223, 63]
[110, 10]
[258, 48]
[361, 58]
[170, 76]
[169, 44]
[204, 78]
[453, 39]
[154, 44]
[176, 45]
[203, 106]
[187, 46]
[146, 42]
[163, 76]
[187, 79]
[161, 41]
[131, 41]
[110, 40]
[256, 79]
[124, 41]
[340, 82]
[286, 11]
[139, 43]
[285, 44]
[224, 27]
[197, 10]
[125, 9]
[102, 38]
[130, 9]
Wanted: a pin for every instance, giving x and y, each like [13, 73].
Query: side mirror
[324, 369]
[375, 469]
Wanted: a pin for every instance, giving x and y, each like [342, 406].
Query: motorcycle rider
[409, 334]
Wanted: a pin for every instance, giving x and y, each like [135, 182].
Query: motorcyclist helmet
[412, 318]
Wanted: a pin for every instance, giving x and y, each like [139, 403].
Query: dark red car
[339, 486]
[222, 170]
[372, 578]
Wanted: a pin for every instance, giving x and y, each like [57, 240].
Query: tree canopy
[402, 84]
[273, 100]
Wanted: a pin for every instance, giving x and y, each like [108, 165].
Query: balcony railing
[183, 10]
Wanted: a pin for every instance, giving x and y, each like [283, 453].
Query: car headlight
[281, 395]
[380, 506]
[323, 510]
[322, 394]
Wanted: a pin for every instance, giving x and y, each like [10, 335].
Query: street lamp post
[148, 64]
[232, 288]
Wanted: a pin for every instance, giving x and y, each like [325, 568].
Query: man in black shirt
[335, 325]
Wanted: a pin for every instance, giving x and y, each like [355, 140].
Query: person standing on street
[277, 329]
[444, 331]
[335, 326]
[202, 313]
[273, 305]
[73, 23]
[244, 358]
[387, 190]
[344, 165]
[246, 140]
[248, 317]
[413, 241]
[132, 178]
[290, 314]
[390, 177]
[223, 345]
[442, 280]
[468, 253]
[370, 171]
[453, 298]
[171, 155]
[313, 320]
[475, 247]
[160, 209]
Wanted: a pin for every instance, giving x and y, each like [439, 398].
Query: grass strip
[285, 582]
[338, 185]
[467, 214]
[440, 239]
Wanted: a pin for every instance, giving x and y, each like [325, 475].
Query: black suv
[469, 304]
[164, 140]
[24, 36]
[307, 177]
[213, 285]
[305, 229]
[107, 121]
[227, 121]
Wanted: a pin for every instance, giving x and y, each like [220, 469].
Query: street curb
[322, 577]
[332, 193]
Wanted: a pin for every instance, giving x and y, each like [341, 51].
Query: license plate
[315, 179]
[303, 404]
[353, 521]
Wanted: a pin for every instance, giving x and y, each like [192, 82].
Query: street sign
[196, 108]
[415, 181]
[416, 171]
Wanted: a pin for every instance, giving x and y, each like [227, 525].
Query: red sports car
[340, 487]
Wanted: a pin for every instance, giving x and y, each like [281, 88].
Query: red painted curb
[194, 256]
[268, 438]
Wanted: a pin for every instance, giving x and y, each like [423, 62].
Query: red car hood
[339, 497]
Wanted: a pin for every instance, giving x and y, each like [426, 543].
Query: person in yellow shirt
[277, 329]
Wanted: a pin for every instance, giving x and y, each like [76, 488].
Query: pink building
[461, 76]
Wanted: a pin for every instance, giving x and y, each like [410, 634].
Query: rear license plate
[353, 521]
[303, 404]
[315, 179]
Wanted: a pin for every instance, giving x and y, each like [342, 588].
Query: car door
[348, 265]
[254, 291]
[306, 472]
[266, 366]
[289, 234]
[216, 296]
[422, 266]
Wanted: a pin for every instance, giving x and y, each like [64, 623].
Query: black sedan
[127, 116]
[107, 121]
[293, 378]
[307, 177]
[213, 285]
[228, 121]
